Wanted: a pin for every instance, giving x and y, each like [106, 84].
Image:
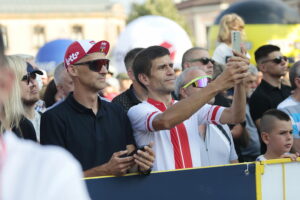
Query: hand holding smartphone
[142, 148]
[236, 41]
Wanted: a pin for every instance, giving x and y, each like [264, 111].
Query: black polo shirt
[266, 97]
[92, 139]
[127, 99]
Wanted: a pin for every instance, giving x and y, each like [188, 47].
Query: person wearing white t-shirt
[291, 105]
[277, 133]
[172, 126]
[217, 146]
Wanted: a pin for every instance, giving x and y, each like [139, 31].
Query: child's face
[280, 139]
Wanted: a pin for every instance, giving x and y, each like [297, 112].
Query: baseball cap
[85, 50]
[32, 70]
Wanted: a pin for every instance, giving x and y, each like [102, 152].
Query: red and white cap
[85, 50]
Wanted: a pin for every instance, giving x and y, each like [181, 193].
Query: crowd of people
[216, 111]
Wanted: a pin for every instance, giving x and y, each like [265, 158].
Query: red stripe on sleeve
[148, 120]
[214, 114]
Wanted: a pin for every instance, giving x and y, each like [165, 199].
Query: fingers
[120, 153]
[145, 158]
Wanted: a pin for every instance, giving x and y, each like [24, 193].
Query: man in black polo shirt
[271, 91]
[136, 93]
[96, 132]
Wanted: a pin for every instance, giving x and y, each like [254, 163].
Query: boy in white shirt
[277, 133]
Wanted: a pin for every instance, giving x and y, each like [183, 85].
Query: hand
[235, 72]
[119, 166]
[292, 156]
[145, 159]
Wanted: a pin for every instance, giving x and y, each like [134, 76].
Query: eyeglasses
[199, 82]
[96, 65]
[277, 60]
[203, 60]
[29, 76]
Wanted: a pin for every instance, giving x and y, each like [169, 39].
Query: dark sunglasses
[96, 65]
[29, 76]
[277, 60]
[203, 60]
[199, 82]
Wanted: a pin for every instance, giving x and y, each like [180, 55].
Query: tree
[165, 8]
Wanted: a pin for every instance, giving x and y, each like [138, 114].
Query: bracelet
[146, 173]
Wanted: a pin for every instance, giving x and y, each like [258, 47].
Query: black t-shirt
[25, 130]
[92, 139]
[127, 99]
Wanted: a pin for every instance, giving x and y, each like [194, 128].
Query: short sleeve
[209, 114]
[52, 129]
[141, 117]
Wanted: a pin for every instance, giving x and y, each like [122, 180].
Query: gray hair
[180, 80]
[253, 70]
[58, 73]
[294, 73]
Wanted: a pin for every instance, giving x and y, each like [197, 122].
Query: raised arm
[234, 74]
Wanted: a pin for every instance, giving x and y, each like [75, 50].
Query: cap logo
[103, 47]
[72, 57]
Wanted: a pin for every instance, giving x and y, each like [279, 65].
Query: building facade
[28, 24]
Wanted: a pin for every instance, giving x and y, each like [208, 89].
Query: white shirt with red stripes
[178, 147]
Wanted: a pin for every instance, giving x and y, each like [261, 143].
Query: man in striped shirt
[172, 126]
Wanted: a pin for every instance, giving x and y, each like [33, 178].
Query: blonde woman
[228, 23]
[13, 108]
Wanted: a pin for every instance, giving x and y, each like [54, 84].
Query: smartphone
[236, 41]
[134, 151]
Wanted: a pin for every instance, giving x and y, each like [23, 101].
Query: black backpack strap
[224, 133]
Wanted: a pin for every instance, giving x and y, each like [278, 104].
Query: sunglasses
[96, 65]
[29, 76]
[199, 82]
[277, 60]
[203, 60]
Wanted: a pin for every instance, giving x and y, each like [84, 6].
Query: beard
[30, 102]
[250, 92]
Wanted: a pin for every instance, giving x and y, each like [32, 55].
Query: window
[39, 36]
[77, 32]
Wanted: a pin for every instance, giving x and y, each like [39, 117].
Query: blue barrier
[233, 182]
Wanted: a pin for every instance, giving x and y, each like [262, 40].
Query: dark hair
[268, 119]
[187, 55]
[263, 52]
[143, 61]
[50, 92]
[129, 57]
[294, 73]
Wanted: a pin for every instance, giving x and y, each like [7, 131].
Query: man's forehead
[199, 53]
[194, 74]
[162, 60]
[274, 54]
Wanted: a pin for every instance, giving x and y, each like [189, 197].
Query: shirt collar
[81, 108]
[160, 105]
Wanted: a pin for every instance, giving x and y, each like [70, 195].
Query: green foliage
[165, 8]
